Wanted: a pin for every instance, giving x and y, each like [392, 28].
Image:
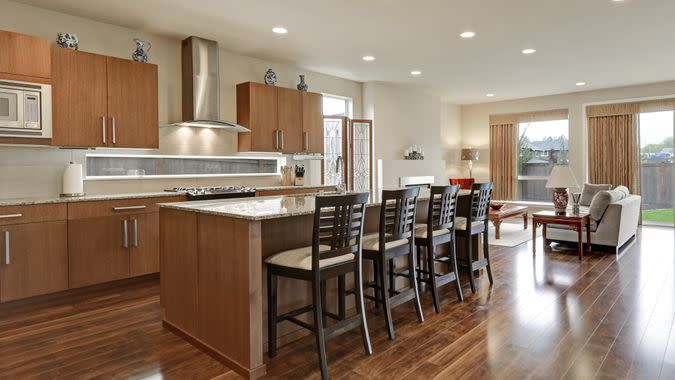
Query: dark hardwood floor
[547, 317]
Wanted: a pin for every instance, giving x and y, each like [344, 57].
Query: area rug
[511, 234]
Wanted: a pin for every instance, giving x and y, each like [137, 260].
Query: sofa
[614, 217]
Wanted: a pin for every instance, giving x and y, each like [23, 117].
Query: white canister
[73, 185]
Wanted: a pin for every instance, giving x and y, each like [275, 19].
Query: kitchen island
[212, 264]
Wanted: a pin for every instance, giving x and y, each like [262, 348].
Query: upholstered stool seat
[301, 258]
[371, 242]
[421, 232]
[460, 223]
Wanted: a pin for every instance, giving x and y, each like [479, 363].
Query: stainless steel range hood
[201, 86]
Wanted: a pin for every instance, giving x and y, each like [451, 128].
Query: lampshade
[561, 177]
[470, 154]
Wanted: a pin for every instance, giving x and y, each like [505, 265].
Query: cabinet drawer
[93, 209]
[32, 213]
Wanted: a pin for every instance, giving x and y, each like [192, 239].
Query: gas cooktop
[215, 192]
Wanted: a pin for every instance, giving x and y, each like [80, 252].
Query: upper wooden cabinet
[79, 99]
[132, 104]
[312, 122]
[289, 119]
[101, 101]
[280, 119]
[25, 55]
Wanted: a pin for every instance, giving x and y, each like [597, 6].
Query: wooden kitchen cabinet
[97, 251]
[289, 119]
[257, 110]
[79, 99]
[36, 262]
[144, 246]
[132, 104]
[312, 122]
[101, 101]
[25, 55]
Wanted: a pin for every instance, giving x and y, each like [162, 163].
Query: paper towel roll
[72, 180]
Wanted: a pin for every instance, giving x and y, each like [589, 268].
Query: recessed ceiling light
[279, 30]
[581, 83]
[415, 72]
[490, 95]
[368, 58]
[529, 51]
[468, 34]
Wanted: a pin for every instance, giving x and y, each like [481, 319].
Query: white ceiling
[601, 42]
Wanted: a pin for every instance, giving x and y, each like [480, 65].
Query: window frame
[349, 106]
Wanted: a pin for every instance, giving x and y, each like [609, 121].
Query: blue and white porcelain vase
[302, 86]
[141, 52]
[67, 41]
[270, 77]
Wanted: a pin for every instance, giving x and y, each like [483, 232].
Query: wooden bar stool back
[439, 229]
[335, 251]
[395, 239]
[477, 223]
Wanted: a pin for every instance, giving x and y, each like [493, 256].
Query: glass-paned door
[362, 160]
[334, 150]
[656, 167]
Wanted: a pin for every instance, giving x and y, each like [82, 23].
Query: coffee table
[507, 211]
[575, 221]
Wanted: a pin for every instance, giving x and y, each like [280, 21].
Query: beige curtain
[528, 117]
[614, 150]
[503, 160]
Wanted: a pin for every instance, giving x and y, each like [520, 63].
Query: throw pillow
[624, 190]
[601, 201]
[589, 192]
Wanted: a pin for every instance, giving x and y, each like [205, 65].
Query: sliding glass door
[656, 154]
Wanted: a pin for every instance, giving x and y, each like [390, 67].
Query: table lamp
[560, 180]
[471, 155]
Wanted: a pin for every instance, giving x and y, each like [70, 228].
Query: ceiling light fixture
[581, 83]
[368, 58]
[415, 72]
[468, 34]
[529, 51]
[490, 95]
[279, 30]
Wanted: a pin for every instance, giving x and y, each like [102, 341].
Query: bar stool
[441, 223]
[395, 239]
[476, 223]
[335, 251]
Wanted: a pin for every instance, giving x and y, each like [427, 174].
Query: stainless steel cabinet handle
[103, 121]
[124, 208]
[276, 138]
[125, 236]
[136, 233]
[7, 254]
[10, 216]
[282, 139]
[114, 127]
[306, 145]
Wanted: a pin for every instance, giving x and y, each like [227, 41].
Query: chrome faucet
[340, 187]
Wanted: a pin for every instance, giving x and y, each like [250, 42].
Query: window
[338, 106]
[541, 145]
[656, 157]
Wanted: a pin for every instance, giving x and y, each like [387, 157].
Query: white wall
[18, 164]
[475, 119]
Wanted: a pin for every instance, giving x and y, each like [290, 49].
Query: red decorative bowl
[496, 206]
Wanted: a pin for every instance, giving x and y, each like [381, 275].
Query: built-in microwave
[25, 109]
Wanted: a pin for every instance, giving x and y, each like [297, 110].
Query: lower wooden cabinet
[97, 251]
[34, 259]
[144, 248]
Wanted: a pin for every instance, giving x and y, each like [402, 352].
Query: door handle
[306, 141]
[114, 130]
[136, 233]
[7, 253]
[125, 235]
[282, 139]
[10, 216]
[124, 208]
[103, 122]
[276, 138]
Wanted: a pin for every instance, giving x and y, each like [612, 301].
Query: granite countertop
[85, 198]
[259, 208]
[293, 187]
